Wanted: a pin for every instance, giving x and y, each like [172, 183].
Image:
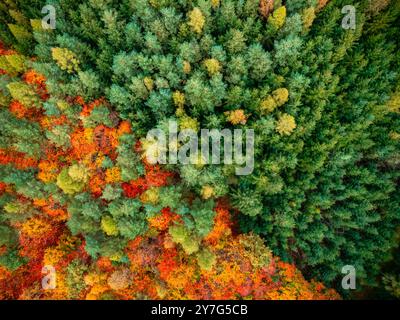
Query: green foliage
[277, 19]
[100, 115]
[206, 259]
[8, 236]
[68, 184]
[15, 27]
[13, 64]
[109, 226]
[202, 213]
[392, 285]
[25, 136]
[11, 260]
[65, 59]
[24, 93]
[111, 193]
[182, 236]
[128, 160]
[259, 255]
[59, 135]
[76, 271]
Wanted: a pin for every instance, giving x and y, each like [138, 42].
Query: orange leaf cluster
[18, 159]
[38, 81]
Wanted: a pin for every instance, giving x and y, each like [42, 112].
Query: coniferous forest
[84, 214]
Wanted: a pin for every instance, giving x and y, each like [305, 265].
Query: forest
[84, 214]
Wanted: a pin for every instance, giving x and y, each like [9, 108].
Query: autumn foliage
[228, 265]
